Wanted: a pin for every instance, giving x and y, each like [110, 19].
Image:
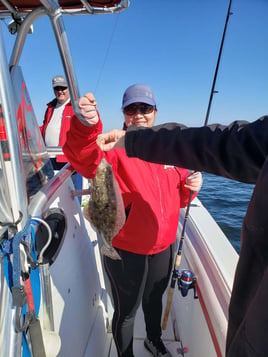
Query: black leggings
[134, 279]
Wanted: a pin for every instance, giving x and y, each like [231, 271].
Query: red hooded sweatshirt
[152, 193]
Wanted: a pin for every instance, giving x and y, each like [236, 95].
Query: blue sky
[170, 45]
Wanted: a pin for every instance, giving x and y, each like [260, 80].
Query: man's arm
[236, 151]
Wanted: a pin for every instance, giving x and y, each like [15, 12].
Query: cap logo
[59, 81]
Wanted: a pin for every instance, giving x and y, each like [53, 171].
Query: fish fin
[110, 252]
[120, 209]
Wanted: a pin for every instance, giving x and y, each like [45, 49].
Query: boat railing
[54, 150]
[44, 195]
[12, 161]
[27, 16]
[55, 12]
[28, 185]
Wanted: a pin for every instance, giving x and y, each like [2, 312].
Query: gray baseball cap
[59, 81]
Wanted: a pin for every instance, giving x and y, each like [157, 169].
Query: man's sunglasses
[143, 108]
[60, 88]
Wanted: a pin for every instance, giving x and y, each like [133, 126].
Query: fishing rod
[186, 279]
[175, 273]
[212, 92]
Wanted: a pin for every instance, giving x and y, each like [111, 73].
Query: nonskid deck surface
[168, 338]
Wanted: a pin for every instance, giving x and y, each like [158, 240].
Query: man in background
[57, 122]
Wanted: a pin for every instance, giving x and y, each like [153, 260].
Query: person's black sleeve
[236, 151]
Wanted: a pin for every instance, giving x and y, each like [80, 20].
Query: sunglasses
[60, 88]
[143, 108]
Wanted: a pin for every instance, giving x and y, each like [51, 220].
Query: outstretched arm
[235, 151]
[80, 146]
[111, 140]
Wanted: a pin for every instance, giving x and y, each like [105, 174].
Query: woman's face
[140, 114]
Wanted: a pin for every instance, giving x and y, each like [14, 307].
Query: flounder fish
[105, 208]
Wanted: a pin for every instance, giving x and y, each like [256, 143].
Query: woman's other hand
[111, 140]
[194, 181]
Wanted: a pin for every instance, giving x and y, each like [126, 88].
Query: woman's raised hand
[88, 107]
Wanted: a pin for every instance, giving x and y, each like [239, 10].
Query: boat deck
[168, 336]
[187, 327]
[174, 347]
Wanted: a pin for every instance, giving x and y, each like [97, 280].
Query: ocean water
[227, 202]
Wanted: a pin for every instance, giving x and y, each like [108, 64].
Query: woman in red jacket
[152, 195]
[238, 151]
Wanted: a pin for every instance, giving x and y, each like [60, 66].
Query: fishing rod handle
[171, 292]
[177, 261]
[168, 305]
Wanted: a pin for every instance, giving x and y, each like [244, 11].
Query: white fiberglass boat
[54, 297]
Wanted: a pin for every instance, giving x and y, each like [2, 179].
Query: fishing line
[107, 52]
